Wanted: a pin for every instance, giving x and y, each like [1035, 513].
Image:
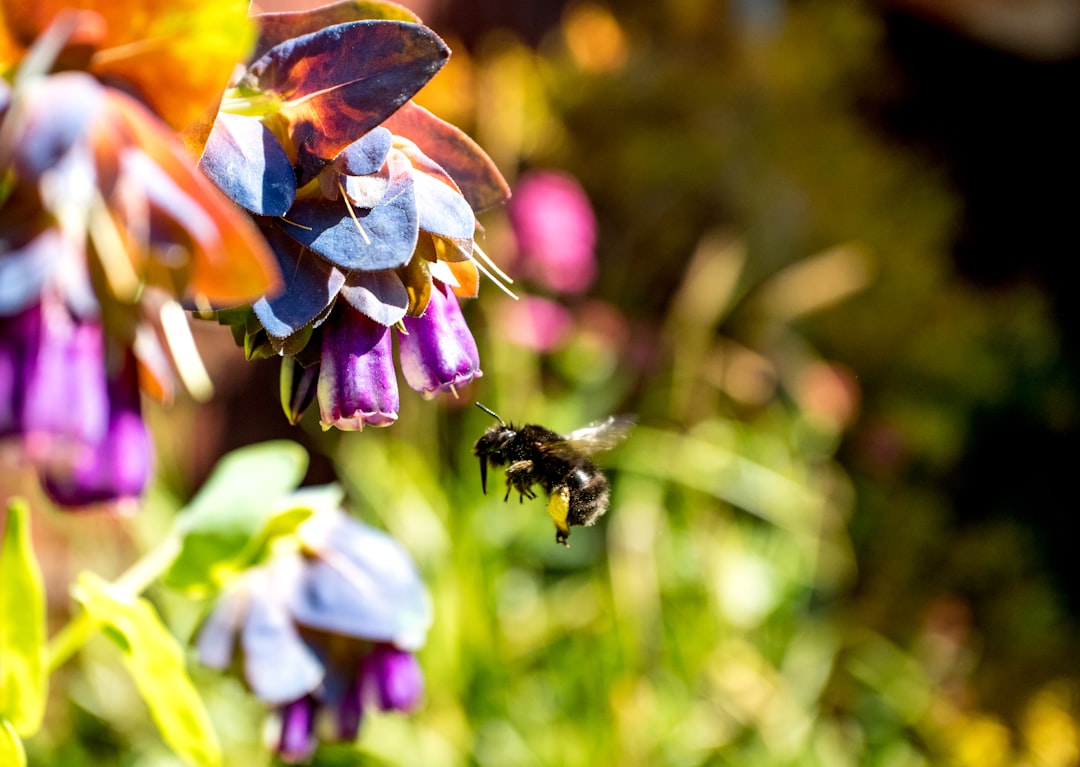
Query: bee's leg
[558, 509]
[519, 477]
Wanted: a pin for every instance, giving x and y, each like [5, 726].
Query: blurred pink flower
[535, 323]
[555, 228]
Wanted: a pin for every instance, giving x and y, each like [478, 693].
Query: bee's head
[491, 444]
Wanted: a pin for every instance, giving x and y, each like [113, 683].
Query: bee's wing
[599, 435]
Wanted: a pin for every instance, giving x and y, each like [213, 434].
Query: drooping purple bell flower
[391, 678]
[80, 423]
[66, 405]
[439, 353]
[19, 340]
[325, 633]
[115, 468]
[297, 742]
[357, 383]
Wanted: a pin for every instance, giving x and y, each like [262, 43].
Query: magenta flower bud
[350, 711]
[556, 231]
[392, 678]
[439, 353]
[357, 382]
[296, 743]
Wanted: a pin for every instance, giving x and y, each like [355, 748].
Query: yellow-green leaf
[23, 675]
[156, 663]
[11, 747]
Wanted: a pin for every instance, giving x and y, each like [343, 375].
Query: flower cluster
[325, 631]
[105, 224]
[368, 202]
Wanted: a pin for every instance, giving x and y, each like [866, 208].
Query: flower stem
[133, 581]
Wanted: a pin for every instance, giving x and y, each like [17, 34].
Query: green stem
[133, 581]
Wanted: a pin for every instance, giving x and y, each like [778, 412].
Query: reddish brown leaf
[470, 167]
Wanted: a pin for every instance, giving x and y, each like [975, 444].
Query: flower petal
[363, 585]
[116, 467]
[439, 353]
[357, 381]
[278, 665]
[277, 27]
[393, 678]
[365, 155]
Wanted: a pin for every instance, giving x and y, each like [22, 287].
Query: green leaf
[11, 747]
[291, 512]
[243, 492]
[244, 483]
[155, 661]
[23, 675]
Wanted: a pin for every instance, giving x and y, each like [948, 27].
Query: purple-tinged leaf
[365, 155]
[442, 210]
[367, 191]
[379, 295]
[311, 284]
[383, 237]
[449, 146]
[276, 28]
[342, 81]
[245, 160]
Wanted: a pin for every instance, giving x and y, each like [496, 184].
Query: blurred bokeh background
[821, 249]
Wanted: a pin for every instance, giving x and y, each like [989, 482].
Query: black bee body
[578, 491]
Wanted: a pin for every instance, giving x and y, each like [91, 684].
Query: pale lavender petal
[360, 584]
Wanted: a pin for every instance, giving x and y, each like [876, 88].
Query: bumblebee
[578, 492]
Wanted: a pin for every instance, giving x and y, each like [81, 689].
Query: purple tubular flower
[81, 427]
[439, 353]
[116, 467]
[19, 339]
[66, 405]
[357, 383]
[297, 742]
[350, 711]
[392, 678]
